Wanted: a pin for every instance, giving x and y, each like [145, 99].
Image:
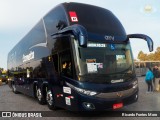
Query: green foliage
[1, 69]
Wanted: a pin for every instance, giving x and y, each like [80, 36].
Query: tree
[157, 54]
[158, 49]
[149, 57]
[142, 56]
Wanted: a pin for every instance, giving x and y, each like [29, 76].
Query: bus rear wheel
[40, 97]
[50, 100]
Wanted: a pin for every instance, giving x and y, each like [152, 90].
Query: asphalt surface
[22, 103]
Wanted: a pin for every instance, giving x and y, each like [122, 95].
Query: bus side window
[66, 64]
[39, 72]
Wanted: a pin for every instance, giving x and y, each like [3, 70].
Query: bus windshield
[102, 62]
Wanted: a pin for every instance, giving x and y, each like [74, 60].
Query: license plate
[117, 105]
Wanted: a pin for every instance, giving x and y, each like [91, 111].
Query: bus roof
[95, 19]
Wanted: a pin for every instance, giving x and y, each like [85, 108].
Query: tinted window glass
[55, 62]
[66, 64]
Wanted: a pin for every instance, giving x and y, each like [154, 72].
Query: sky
[17, 17]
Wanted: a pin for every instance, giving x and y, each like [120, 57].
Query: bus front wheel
[50, 100]
[40, 97]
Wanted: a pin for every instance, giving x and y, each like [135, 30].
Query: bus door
[56, 82]
[63, 65]
[66, 72]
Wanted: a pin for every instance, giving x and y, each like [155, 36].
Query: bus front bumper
[88, 103]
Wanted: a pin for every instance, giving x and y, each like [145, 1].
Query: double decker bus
[77, 57]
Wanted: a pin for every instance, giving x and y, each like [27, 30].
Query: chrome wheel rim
[39, 94]
[49, 98]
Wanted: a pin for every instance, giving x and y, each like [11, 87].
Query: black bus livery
[77, 57]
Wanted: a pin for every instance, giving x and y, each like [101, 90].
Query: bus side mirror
[145, 37]
[79, 32]
[82, 41]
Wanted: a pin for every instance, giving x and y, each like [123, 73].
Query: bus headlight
[87, 92]
[135, 84]
[83, 91]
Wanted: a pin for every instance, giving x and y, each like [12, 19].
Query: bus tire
[35, 90]
[50, 100]
[14, 89]
[40, 97]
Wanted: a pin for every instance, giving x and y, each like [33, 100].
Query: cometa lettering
[116, 81]
[28, 57]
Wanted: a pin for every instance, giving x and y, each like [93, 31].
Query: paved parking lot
[19, 102]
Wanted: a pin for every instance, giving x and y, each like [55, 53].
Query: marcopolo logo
[119, 94]
[28, 57]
